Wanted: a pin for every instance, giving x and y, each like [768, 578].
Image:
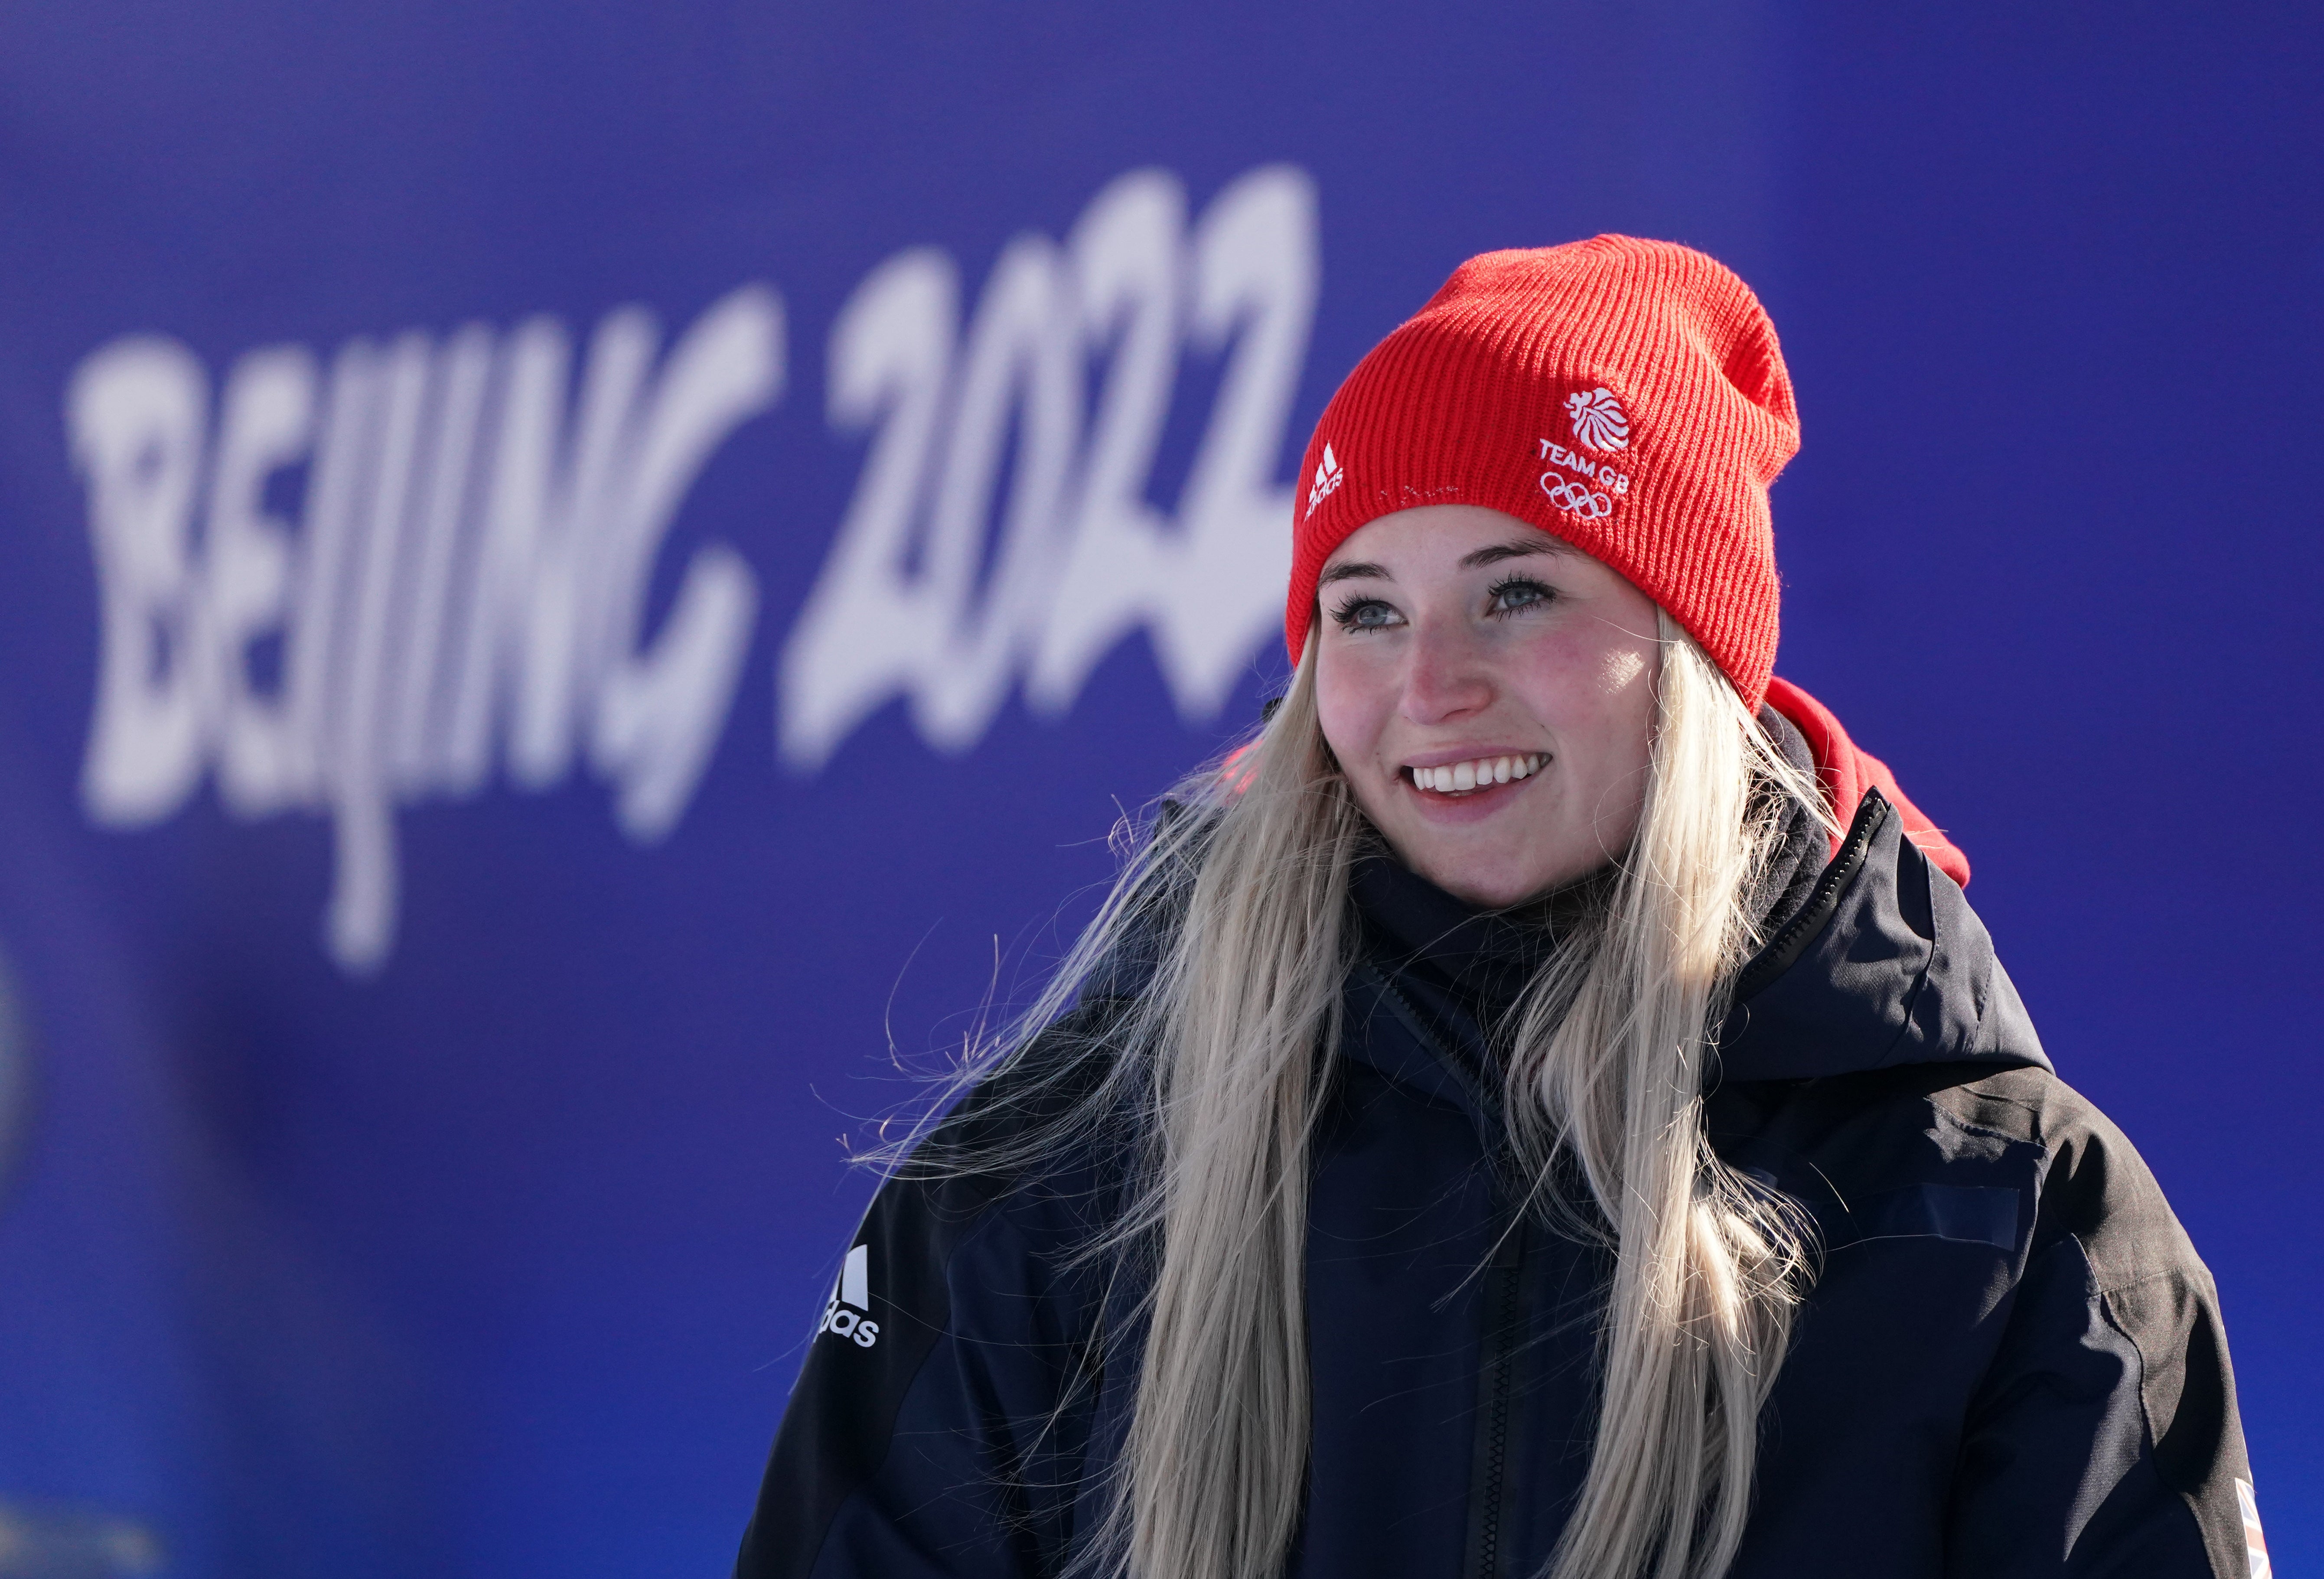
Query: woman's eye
[1365, 614]
[1517, 593]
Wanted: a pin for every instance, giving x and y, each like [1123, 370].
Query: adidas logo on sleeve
[849, 1311]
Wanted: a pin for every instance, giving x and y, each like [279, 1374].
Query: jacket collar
[1884, 964]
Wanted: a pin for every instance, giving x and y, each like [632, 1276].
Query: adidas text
[1328, 477]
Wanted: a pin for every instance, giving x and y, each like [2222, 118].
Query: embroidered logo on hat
[1328, 476]
[1598, 420]
[1576, 498]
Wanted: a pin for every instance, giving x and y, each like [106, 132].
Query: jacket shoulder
[960, 1318]
[2102, 1412]
[2111, 1269]
[2095, 1185]
[2018, 1144]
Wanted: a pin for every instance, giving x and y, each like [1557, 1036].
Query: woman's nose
[1446, 676]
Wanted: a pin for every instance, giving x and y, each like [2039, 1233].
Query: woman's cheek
[1624, 670]
[1348, 707]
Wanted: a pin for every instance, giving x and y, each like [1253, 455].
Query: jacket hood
[1848, 771]
[1875, 959]
[1884, 965]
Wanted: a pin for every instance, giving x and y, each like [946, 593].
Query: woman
[1545, 1106]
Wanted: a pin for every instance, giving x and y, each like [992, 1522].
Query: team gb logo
[1598, 420]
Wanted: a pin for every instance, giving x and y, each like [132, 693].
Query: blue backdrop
[574, 573]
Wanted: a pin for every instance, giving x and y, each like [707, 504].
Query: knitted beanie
[1627, 396]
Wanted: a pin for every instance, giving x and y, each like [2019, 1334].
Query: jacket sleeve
[939, 1419]
[2105, 1438]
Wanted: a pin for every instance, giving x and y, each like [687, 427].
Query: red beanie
[1627, 396]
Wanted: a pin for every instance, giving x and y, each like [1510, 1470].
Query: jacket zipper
[1490, 1493]
[1785, 949]
[1488, 1479]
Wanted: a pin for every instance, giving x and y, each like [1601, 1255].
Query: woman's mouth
[1458, 779]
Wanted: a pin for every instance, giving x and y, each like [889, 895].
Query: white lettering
[950, 634]
[468, 571]
[268, 424]
[842, 1321]
[662, 707]
[1256, 269]
[869, 629]
[1019, 358]
[1572, 462]
[312, 638]
[1605, 474]
[362, 913]
[1128, 254]
[417, 757]
[1066, 571]
[136, 413]
[458, 583]
[522, 652]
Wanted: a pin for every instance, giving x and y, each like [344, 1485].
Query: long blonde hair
[1214, 1075]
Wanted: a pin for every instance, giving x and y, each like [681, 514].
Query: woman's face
[1489, 691]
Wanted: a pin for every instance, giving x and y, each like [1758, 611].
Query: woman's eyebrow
[1354, 572]
[1540, 543]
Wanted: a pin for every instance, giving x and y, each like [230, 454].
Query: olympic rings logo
[1576, 499]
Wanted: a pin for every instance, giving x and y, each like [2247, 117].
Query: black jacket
[2010, 1363]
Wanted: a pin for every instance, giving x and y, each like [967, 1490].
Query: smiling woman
[1545, 1106]
[1487, 690]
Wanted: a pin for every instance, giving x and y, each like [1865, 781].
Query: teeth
[1460, 778]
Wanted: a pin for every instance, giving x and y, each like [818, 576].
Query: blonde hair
[1214, 1073]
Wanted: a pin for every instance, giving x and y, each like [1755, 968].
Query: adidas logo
[851, 1302]
[1328, 476]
